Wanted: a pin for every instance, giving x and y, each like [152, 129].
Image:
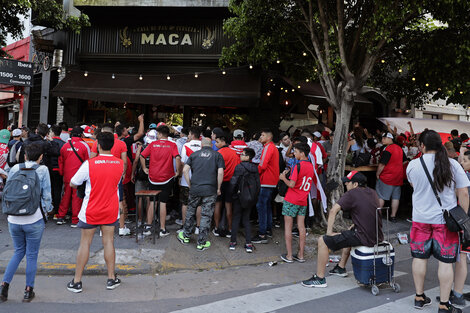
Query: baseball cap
[317, 134]
[218, 132]
[151, 136]
[88, 132]
[16, 132]
[161, 124]
[388, 135]
[325, 134]
[177, 128]
[356, 177]
[4, 136]
[238, 133]
[152, 126]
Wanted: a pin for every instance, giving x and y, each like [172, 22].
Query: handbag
[81, 188]
[456, 218]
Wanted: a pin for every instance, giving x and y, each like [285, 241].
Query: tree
[49, 13]
[350, 46]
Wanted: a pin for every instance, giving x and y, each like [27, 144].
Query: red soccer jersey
[102, 175]
[303, 182]
[118, 147]
[161, 153]
[231, 160]
[392, 173]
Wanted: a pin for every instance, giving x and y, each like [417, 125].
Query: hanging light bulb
[278, 61]
[298, 87]
[196, 75]
[287, 102]
[251, 67]
[413, 79]
[427, 85]
[282, 88]
[268, 93]
[293, 89]
[271, 80]
[223, 72]
[461, 92]
[113, 76]
[59, 70]
[85, 74]
[286, 91]
[168, 77]
[400, 70]
[304, 54]
[141, 77]
[383, 61]
[307, 80]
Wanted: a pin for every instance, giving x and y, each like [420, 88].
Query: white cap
[389, 135]
[238, 133]
[151, 136]
[16, 132]
[317, 134]
[177, 128]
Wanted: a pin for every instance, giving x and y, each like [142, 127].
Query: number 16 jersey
[298, 195]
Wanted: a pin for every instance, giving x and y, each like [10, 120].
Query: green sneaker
[203, 246]
[184, 240]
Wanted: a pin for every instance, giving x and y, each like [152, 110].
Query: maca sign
[16, 73]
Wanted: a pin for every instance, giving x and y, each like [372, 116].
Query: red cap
[88, 131]
[161, 124]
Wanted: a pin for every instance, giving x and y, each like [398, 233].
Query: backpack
[12, 154]
[360, 159]
[22, 192]
[249, 189]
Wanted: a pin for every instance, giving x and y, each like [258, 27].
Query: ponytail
[442, 173]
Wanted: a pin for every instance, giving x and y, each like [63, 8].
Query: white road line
[278, 298]
[406, 304]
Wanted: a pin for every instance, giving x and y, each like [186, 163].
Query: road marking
[406, 304]
[278, 298]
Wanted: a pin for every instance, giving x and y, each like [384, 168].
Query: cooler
[362, 259]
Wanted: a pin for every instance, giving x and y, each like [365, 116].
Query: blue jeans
[26, 240]
[265, 213]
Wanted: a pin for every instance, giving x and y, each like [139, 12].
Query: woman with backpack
[26, 230]
[438, 182]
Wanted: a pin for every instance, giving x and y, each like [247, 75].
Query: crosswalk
[283, 297]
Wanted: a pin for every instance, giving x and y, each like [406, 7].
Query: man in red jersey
[100, 207]
[119, 150]
[72, 155]
[162, 173]
[231, 160]
[390, 174]
[238, 144]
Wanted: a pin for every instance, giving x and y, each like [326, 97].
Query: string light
[400, 70]
[413, 79]
[427, 85]
[278, 61]
[286, 91]
[251, 67]
[168, 77]
[196, 75]
[298, 87]
[316, 70]
[59, 70]
[113, 76]
[223, 72]
[85, 74]
[383, 61]
[307, 80]
[293, 89]
[282, 88]
[140, 77]
[271, 80]
[304, 54]
[461, 92]
[287, 102]
[268, 93]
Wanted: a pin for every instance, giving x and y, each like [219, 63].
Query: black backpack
[22, 192]
[361, 159]
[249, 188]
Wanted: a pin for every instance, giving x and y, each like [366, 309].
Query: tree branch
[324, 25]
[341, 41]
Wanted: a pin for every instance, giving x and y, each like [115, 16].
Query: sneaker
[202, 247]
[179, 230]
[74, 287]
[249, 248]
[4, 292]
[60, 221]
[315, 282]
[147, 230]
[269, 233]
[196, 231]
[285, 259]
[232, 246]
[124, 231]
[453, 299]
[216, 232]
[259, 239]
[339, 271]
[164, 233]
[296, 258]
[184, 240]
[73, 225]
[179, 222]
[450, 309]
[295, 232]
[28, 294]
[228, 234]
[277, 224]
[113, 283]
[419, 304]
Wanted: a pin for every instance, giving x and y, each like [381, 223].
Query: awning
[314, 90]
[209, 89]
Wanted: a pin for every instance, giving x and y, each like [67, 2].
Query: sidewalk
[60, 243]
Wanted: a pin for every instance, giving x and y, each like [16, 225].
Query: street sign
[16, 73]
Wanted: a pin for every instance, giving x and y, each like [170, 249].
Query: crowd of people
[213, 180]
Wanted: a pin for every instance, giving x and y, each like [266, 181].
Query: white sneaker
[164, 233]
[196, 231]
[179, 222]
[124, 231]
[147, 230]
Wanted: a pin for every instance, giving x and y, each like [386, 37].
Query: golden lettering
[173, 39]
[147, 39]
[186, 40]
[161, 40]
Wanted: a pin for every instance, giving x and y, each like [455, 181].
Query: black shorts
[84, 225]
[165, 188]
[225, 195]
[346, 239]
